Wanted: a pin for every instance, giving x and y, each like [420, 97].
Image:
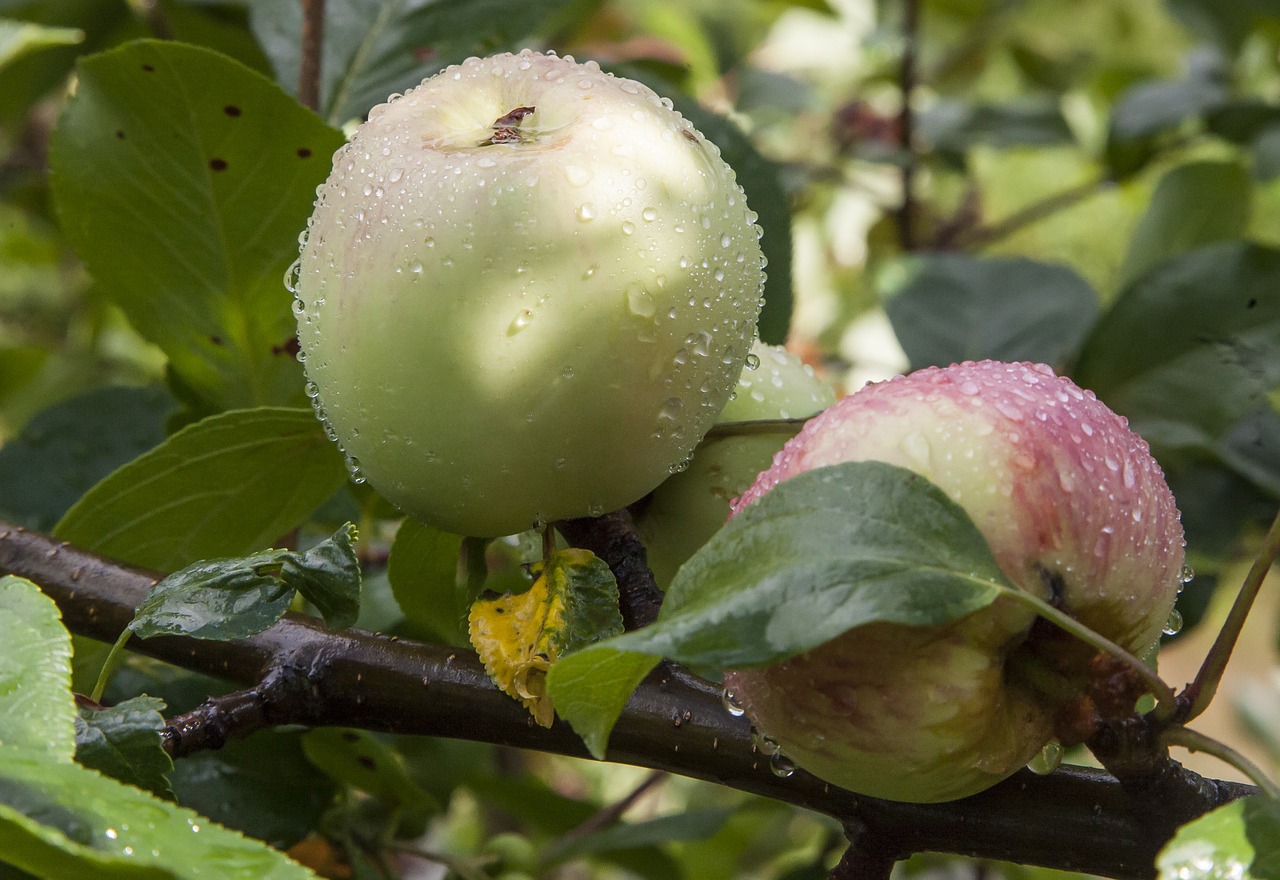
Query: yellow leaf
[572, 602]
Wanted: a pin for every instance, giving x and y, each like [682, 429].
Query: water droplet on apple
[577, 175]
[640, 301]
[649, 215]
[291, 276]
[1186, 575]
[586, 212]
[522, 320]
[1049, 759]
[753, 361]
[354, 471]
[1173, 625]
[628, 227]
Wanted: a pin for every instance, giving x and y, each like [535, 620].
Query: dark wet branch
[298, 672]
[312, 53]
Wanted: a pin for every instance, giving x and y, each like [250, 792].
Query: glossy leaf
[572, 603]
[227, 485]
[63, 821]
[823, 552]
[65, 449]
[123, 742]
[954, 308]
[423, 570]
[590, 689]
[238, 597]
[1240, 840]
[36, 710]
[1191, 347]
[1194, 204]
[183, 179]
[373, 48]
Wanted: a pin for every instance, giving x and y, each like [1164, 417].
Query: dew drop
[628, 227]
[1173, 625]
[731, 704]
[1049, 759]
[395, 174]
[780, 765]
[522, 320]
[649, 215]
[640, 301]
[291, 276]
[586, 212]
[1186, 575]
[577, 175]
[764, 745]
[753, 361]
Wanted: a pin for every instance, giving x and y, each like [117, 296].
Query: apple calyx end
[506, 128]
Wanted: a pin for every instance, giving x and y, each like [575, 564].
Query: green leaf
[123, 742]
[216, 599]
[36, 708]
[1194, 204]
[572, 603]
[375, 47]
[423, 570]
[224, 486]
[1266, 154]
[954, 308]
[263, 786]
[328, 576]
[823, 552]
[67, 448]
[361, 760]
[66, 822]
[1191, 347]
[956, 126]
[18, 38]
[183, 179]
[1240, 840]
[238, 597]
[590, 689]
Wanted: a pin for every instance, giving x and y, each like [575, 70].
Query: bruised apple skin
[691, 506]
[525, 293]
[1074, 508]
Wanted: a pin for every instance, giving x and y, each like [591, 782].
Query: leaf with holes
[182, 179]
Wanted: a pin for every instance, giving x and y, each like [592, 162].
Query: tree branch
[301, 673]
[907, 75]
[312, 53]
[613, 538]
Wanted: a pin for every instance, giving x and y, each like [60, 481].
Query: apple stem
[114, 656]
[1163, 693]
[1195, 741]
[1199, 693]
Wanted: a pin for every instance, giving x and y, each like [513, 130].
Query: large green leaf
[123, 742]
[1191, 347]
[183, 180]
[62, 821]
[65, 449]
[375, 47]
[955, 308]
[1194, 204]
[823, 552]
[1240, 840]
[36, 709]
[225, 486]
[423, 570]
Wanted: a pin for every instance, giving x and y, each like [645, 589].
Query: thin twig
[601, 819]
[907, 74]
[987, 235]
[1200, 692]
[312, 53]
[1195, 741]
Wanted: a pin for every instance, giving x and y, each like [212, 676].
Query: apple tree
[457, 439]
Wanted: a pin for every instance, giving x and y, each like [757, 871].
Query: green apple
[525, 293]
[691, 506]
[1073, 507]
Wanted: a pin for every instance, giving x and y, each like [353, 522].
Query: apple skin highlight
[1074, 509]
[526, 291]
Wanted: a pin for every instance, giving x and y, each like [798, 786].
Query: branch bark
[298, 672]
